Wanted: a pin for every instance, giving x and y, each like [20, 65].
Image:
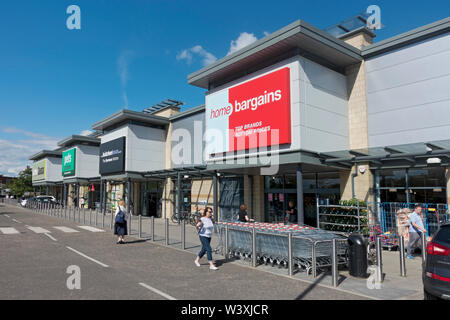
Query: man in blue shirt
[416, 229]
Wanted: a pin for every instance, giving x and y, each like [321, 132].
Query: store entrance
[151, 204]
[280, 190]
[151, 199]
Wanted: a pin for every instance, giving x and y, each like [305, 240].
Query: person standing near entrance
[416, 229]
[291, 213]
[243, 215]
[206, 226]
[120, 222]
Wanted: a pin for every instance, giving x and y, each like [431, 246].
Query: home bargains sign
[254, 114]
[68, 162]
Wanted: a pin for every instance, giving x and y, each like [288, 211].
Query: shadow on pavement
[311, 287]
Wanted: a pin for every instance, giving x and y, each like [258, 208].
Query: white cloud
[242, 41]
[188, 55]
[15, 151]
[123, 63]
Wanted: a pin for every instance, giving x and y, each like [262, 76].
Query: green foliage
[22, 184]
[344, 218]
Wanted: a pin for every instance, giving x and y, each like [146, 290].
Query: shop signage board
[68, 162]
[248, 115]
[112, 156]
[39, 170]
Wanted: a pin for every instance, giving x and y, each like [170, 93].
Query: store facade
[79, 169]
[46, 174]
[298, 116]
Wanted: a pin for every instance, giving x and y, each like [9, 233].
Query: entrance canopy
[415, 155]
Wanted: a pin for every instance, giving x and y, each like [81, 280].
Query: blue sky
[56, 82]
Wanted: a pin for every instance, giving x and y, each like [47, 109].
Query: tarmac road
[35, 256]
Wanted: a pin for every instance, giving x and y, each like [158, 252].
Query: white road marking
[48, 235]
[92, 229]
[87, 257]
[38, 229]
[6, 216]
[165, 295]
[9, 231]
[16, 221]
[66, 229]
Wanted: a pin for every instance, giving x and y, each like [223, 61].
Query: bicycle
[194, 218]
[176, 217]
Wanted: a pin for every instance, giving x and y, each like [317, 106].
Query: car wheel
[427, 296]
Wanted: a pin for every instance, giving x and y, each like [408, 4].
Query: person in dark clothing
[291, 213]
[243, 215]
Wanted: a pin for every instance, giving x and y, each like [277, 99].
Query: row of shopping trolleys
[272, 245]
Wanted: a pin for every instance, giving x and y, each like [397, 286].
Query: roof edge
[413, 36]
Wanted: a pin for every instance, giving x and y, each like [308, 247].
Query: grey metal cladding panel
[412, 71]
[417, 118]
[323, 120]
[188, 123]
[415, 51]
[409, 96]
[321, 141]
[411, 136]
[324, 78]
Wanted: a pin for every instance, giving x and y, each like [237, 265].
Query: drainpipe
[353, 181]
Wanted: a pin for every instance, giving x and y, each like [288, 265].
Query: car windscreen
[443, 236]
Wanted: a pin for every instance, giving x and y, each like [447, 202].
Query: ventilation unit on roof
[162, 105]
[348, 25]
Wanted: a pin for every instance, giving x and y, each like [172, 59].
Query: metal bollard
[253, 247]
[153, 228]
[183, 234]
[130, 224]
[103, 220]
[379, 261]
[290, 255]
[90, 217]
[111, 223]
[423, 239]
[401, 242]
[167, 231]
[226, 242]
[140, 227]
[313, 260]
[334, 264]
[95, 220]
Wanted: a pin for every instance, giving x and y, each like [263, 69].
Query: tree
[22, 184]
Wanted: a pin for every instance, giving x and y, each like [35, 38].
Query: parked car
[436, 272]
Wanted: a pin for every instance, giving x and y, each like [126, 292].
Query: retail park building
[299, 115]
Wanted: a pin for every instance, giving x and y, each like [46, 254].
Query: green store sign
[39, 170]
[68, 162]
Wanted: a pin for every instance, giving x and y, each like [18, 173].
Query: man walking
[416, 229]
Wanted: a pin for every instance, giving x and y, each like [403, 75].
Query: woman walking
[120, 222]
[206, 225]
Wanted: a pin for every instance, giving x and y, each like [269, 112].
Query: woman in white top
[120, 222]
[205, 227]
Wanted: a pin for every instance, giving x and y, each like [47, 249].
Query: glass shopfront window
[393, 178]
[415, 185]
[279, 190]
[427, 177]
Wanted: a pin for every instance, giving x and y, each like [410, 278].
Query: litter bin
[357, 256]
